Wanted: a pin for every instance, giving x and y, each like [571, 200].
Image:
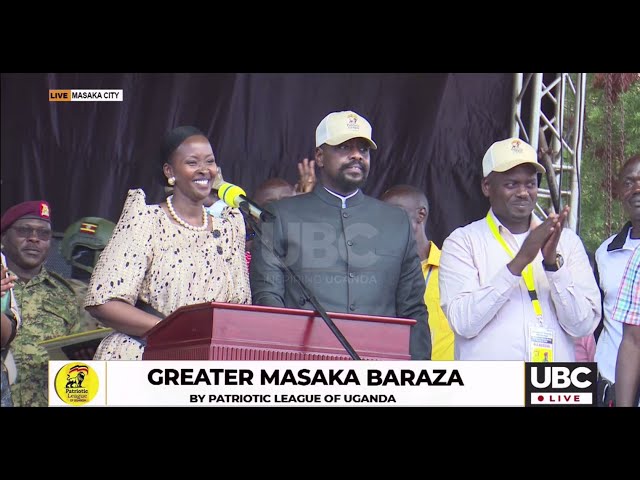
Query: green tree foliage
[594, 194]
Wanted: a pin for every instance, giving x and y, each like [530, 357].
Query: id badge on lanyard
[540, 344]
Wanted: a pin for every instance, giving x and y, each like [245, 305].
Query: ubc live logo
[560, 384]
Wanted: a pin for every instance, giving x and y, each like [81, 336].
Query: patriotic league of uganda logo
[76, 383]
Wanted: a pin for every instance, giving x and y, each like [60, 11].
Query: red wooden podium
[227, 331]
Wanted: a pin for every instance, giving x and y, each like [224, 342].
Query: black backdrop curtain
[432, 130]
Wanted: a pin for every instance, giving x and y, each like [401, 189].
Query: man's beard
[347, 184]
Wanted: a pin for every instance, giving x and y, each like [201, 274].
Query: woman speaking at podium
[165, 256]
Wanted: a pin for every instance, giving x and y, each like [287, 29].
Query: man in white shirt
[611, 258]
[511, 286]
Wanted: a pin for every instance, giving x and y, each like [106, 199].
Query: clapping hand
[307, 176]
[543, 238]
[549, 248]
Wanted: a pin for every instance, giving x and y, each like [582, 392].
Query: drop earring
[171, 181]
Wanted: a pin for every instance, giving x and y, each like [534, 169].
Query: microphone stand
[309, 296]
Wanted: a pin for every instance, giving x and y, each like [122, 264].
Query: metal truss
[555, 129]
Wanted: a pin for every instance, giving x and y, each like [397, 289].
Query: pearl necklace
[205, 217]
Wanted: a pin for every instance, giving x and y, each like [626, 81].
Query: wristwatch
[554, 266]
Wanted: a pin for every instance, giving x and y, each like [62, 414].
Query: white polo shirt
[611, 258]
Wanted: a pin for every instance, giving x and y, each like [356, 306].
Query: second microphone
[236, 197]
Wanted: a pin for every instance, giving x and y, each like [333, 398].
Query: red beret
[34, 209]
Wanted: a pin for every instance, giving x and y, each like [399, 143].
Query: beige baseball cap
[509, 153]
[338, 127]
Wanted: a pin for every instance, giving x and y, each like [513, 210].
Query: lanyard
[527, 273]
[426, 280]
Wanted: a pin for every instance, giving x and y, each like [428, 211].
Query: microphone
[235, 196]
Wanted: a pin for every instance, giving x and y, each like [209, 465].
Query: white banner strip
[286, 383]
[96, 95]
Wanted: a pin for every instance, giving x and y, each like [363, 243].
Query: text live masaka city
[373, 377]
[101, 95]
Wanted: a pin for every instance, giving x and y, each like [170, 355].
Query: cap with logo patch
[507, 154]
[338, 127]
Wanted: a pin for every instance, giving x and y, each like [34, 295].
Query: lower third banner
[286, 383]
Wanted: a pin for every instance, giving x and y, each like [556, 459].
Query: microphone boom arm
[247, 207]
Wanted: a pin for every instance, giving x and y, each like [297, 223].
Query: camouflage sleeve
[87, 322]
[75, 323]
[62, 302]
[67, 307]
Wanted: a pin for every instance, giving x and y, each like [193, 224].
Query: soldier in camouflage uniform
[47, 301]
[81, 246]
